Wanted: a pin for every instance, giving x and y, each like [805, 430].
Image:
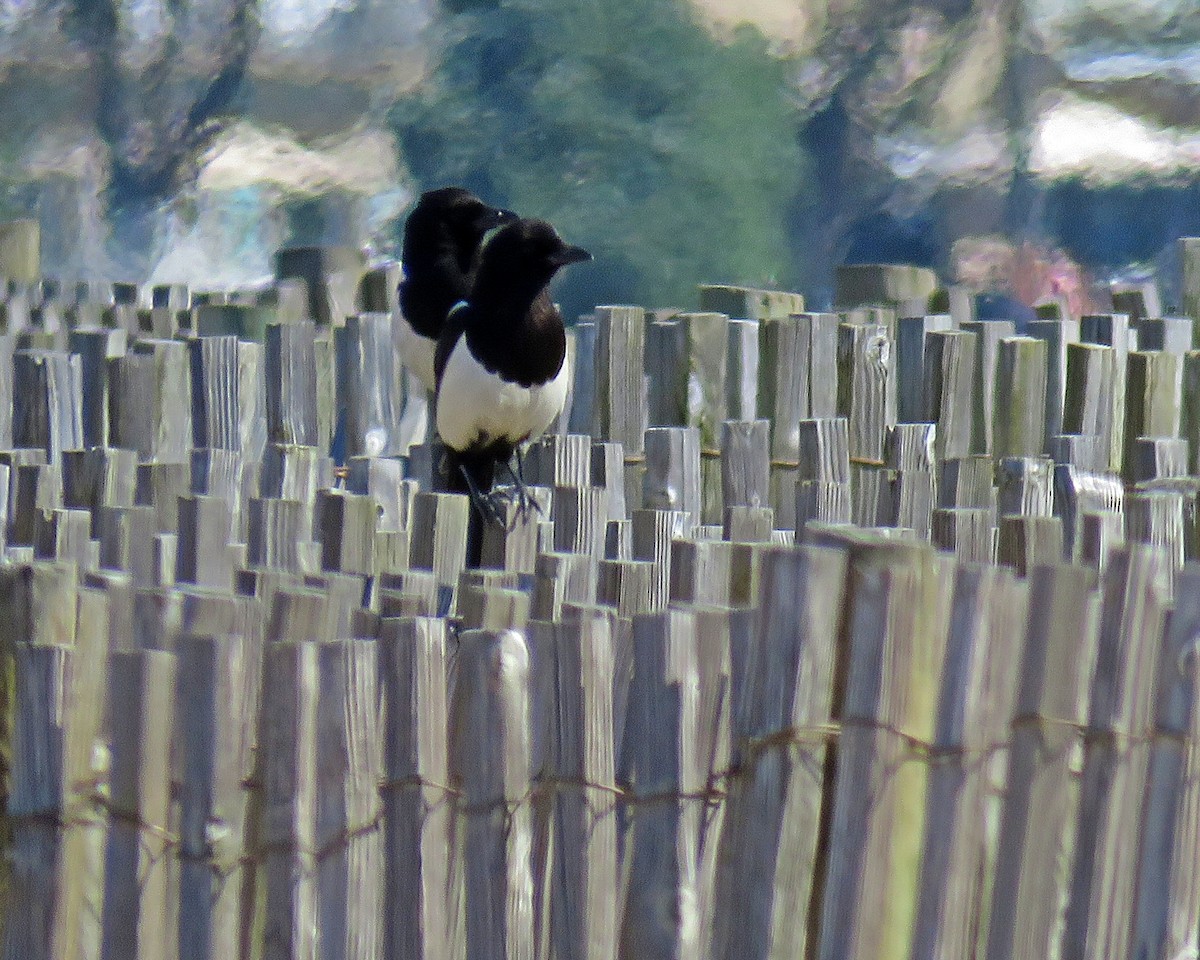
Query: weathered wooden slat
[745, 463]
[47, 401]
[742, 363]
[439, 535]
[348, 845]
[580, 516]
[490, 765]
[580, 770]
[41, 921]
[561, 578]
[368, 385]
[1157, 458]
[912, 374]
[1169, 334]
[1059, 334]
[769, 841]
[1077, 494]
[98, 477]
[664, 797]
[1135, 598]
[346, 526]
[884, 699]
[159, 486]
[213, 722]
[1025, 486]
[619, 403]
[150, 401]
[701, 573]
[560, 461]
[422, 916]
[966, 482]
[513, 544]
[652, 534]
[987, 351]
[1152, 401]
[135, 881]
[1091, 400]
[748, 301]
[1039, 821]
[291, 384]
[65, 535]
[1157, 519]
[672, 478]
[205, 555]
[948, 388]
[1087, 452]
[1165, 915]
[866, 387]
[288, 744]
[976, 692]
[1019, 421]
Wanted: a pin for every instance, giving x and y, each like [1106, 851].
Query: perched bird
[500, 361]
[440, 254]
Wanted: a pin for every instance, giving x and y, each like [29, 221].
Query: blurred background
[1039, 148]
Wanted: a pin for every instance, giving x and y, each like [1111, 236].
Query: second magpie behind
[440, 254]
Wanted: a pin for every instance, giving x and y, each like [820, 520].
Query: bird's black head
[525, 255]
[450, 219]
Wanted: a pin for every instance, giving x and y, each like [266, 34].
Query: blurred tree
[671, 155]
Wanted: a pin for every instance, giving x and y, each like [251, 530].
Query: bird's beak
[494, 217]
[569, 254]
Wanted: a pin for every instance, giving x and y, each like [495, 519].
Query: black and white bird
[501, 360]
[440, 255]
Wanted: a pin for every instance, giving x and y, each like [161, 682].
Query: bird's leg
[484, 503]
[525, 498]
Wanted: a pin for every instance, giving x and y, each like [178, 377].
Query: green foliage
[672, 156]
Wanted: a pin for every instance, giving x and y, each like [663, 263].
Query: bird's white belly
[477, 405]
[416, 351]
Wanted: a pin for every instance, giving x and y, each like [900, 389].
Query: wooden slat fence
[867, 634]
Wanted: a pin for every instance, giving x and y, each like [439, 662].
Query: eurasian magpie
[440, 254]
[501, 360]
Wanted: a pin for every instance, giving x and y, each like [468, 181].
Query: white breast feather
[416, 352]
[475, 404]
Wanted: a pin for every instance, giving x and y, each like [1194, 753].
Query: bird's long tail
[461, 474]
